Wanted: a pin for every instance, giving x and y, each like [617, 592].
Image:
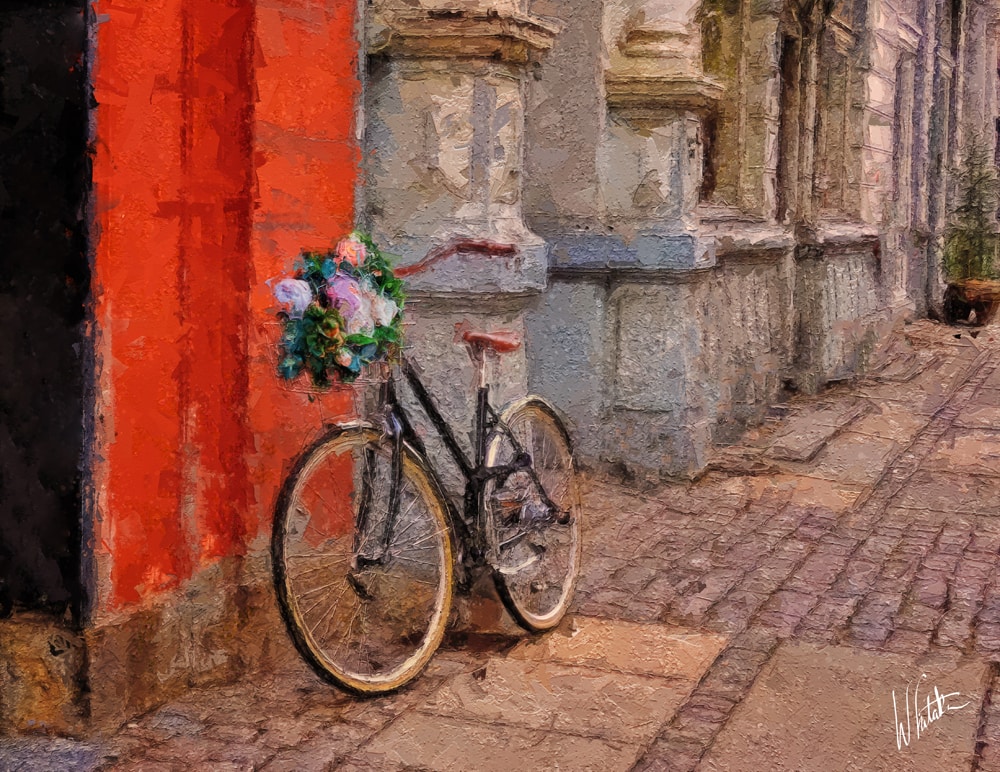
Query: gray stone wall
[711, 201]
[653, 367]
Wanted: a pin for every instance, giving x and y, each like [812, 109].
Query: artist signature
[922, 717]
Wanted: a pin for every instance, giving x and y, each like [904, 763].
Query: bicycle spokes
[530, 515]
[368, 605]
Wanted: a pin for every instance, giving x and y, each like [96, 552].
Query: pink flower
[351, 250]
[347, 296]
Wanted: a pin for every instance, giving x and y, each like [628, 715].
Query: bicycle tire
[373, 629]
[535, 567]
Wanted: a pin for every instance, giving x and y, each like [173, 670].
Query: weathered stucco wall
[668, 364]
[216, 163]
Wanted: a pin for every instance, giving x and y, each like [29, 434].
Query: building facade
[685, 208]
[736, 197]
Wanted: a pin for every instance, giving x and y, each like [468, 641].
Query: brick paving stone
[735, 610]
[990, 610]
[831, 613]
[633, 578]
[660, 589]
[821, 568]
[318, 754]
[908, 642]
[672, 754]
[988, 637]
[790, 603]
[917, 617]
[838, 544]
[955, 629]
[778, 623]
[874, 617]
[931, 589]
[879, 546]
[857, 578]
[898, 570]
[782, 522]
[815, 635]
[139, 765]
[987, 617]
[886, 540]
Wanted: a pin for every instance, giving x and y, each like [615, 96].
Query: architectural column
[445, 119]
[443, 150]
[893, 146]
[650, 160]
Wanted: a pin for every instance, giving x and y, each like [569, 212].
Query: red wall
[306, 165]
[224, 146]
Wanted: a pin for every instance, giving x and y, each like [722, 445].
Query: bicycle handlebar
[483, 247]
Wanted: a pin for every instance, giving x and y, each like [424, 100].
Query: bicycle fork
[372, 549]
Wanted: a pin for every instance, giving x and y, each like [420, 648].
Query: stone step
[41, 667]
[903, 367]
[590, 695]
[812, 705]
[805, 434]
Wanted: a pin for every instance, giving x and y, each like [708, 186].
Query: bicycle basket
[363, 390]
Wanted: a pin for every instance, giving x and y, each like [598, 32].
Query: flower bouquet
[342, 311]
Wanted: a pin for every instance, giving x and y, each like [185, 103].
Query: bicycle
[367, 549]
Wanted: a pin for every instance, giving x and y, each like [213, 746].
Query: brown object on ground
[979, 295]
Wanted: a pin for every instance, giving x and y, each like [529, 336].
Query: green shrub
[971, 236]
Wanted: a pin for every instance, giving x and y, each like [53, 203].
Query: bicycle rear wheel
[535, 552]
[369, 625]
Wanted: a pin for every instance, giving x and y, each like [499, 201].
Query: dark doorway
[44, 278]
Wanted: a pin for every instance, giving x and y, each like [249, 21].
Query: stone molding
[734, 233]
[657, 92]
[652, 41]
[829, 239]
[459, 34]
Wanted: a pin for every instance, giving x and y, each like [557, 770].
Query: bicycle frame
[467, 525]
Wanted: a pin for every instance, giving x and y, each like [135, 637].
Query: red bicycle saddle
[501, 342]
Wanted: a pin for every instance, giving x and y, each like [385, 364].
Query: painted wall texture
[220, 153]
[686, 208]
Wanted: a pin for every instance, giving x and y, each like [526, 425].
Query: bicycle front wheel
[365, 595]
[534, 549]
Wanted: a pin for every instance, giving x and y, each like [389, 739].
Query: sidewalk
[761, 618]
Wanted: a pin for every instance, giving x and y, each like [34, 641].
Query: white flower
[383, 309]
[296, 294]
[361, 319]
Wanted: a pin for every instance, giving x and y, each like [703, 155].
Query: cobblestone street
[843, 549]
